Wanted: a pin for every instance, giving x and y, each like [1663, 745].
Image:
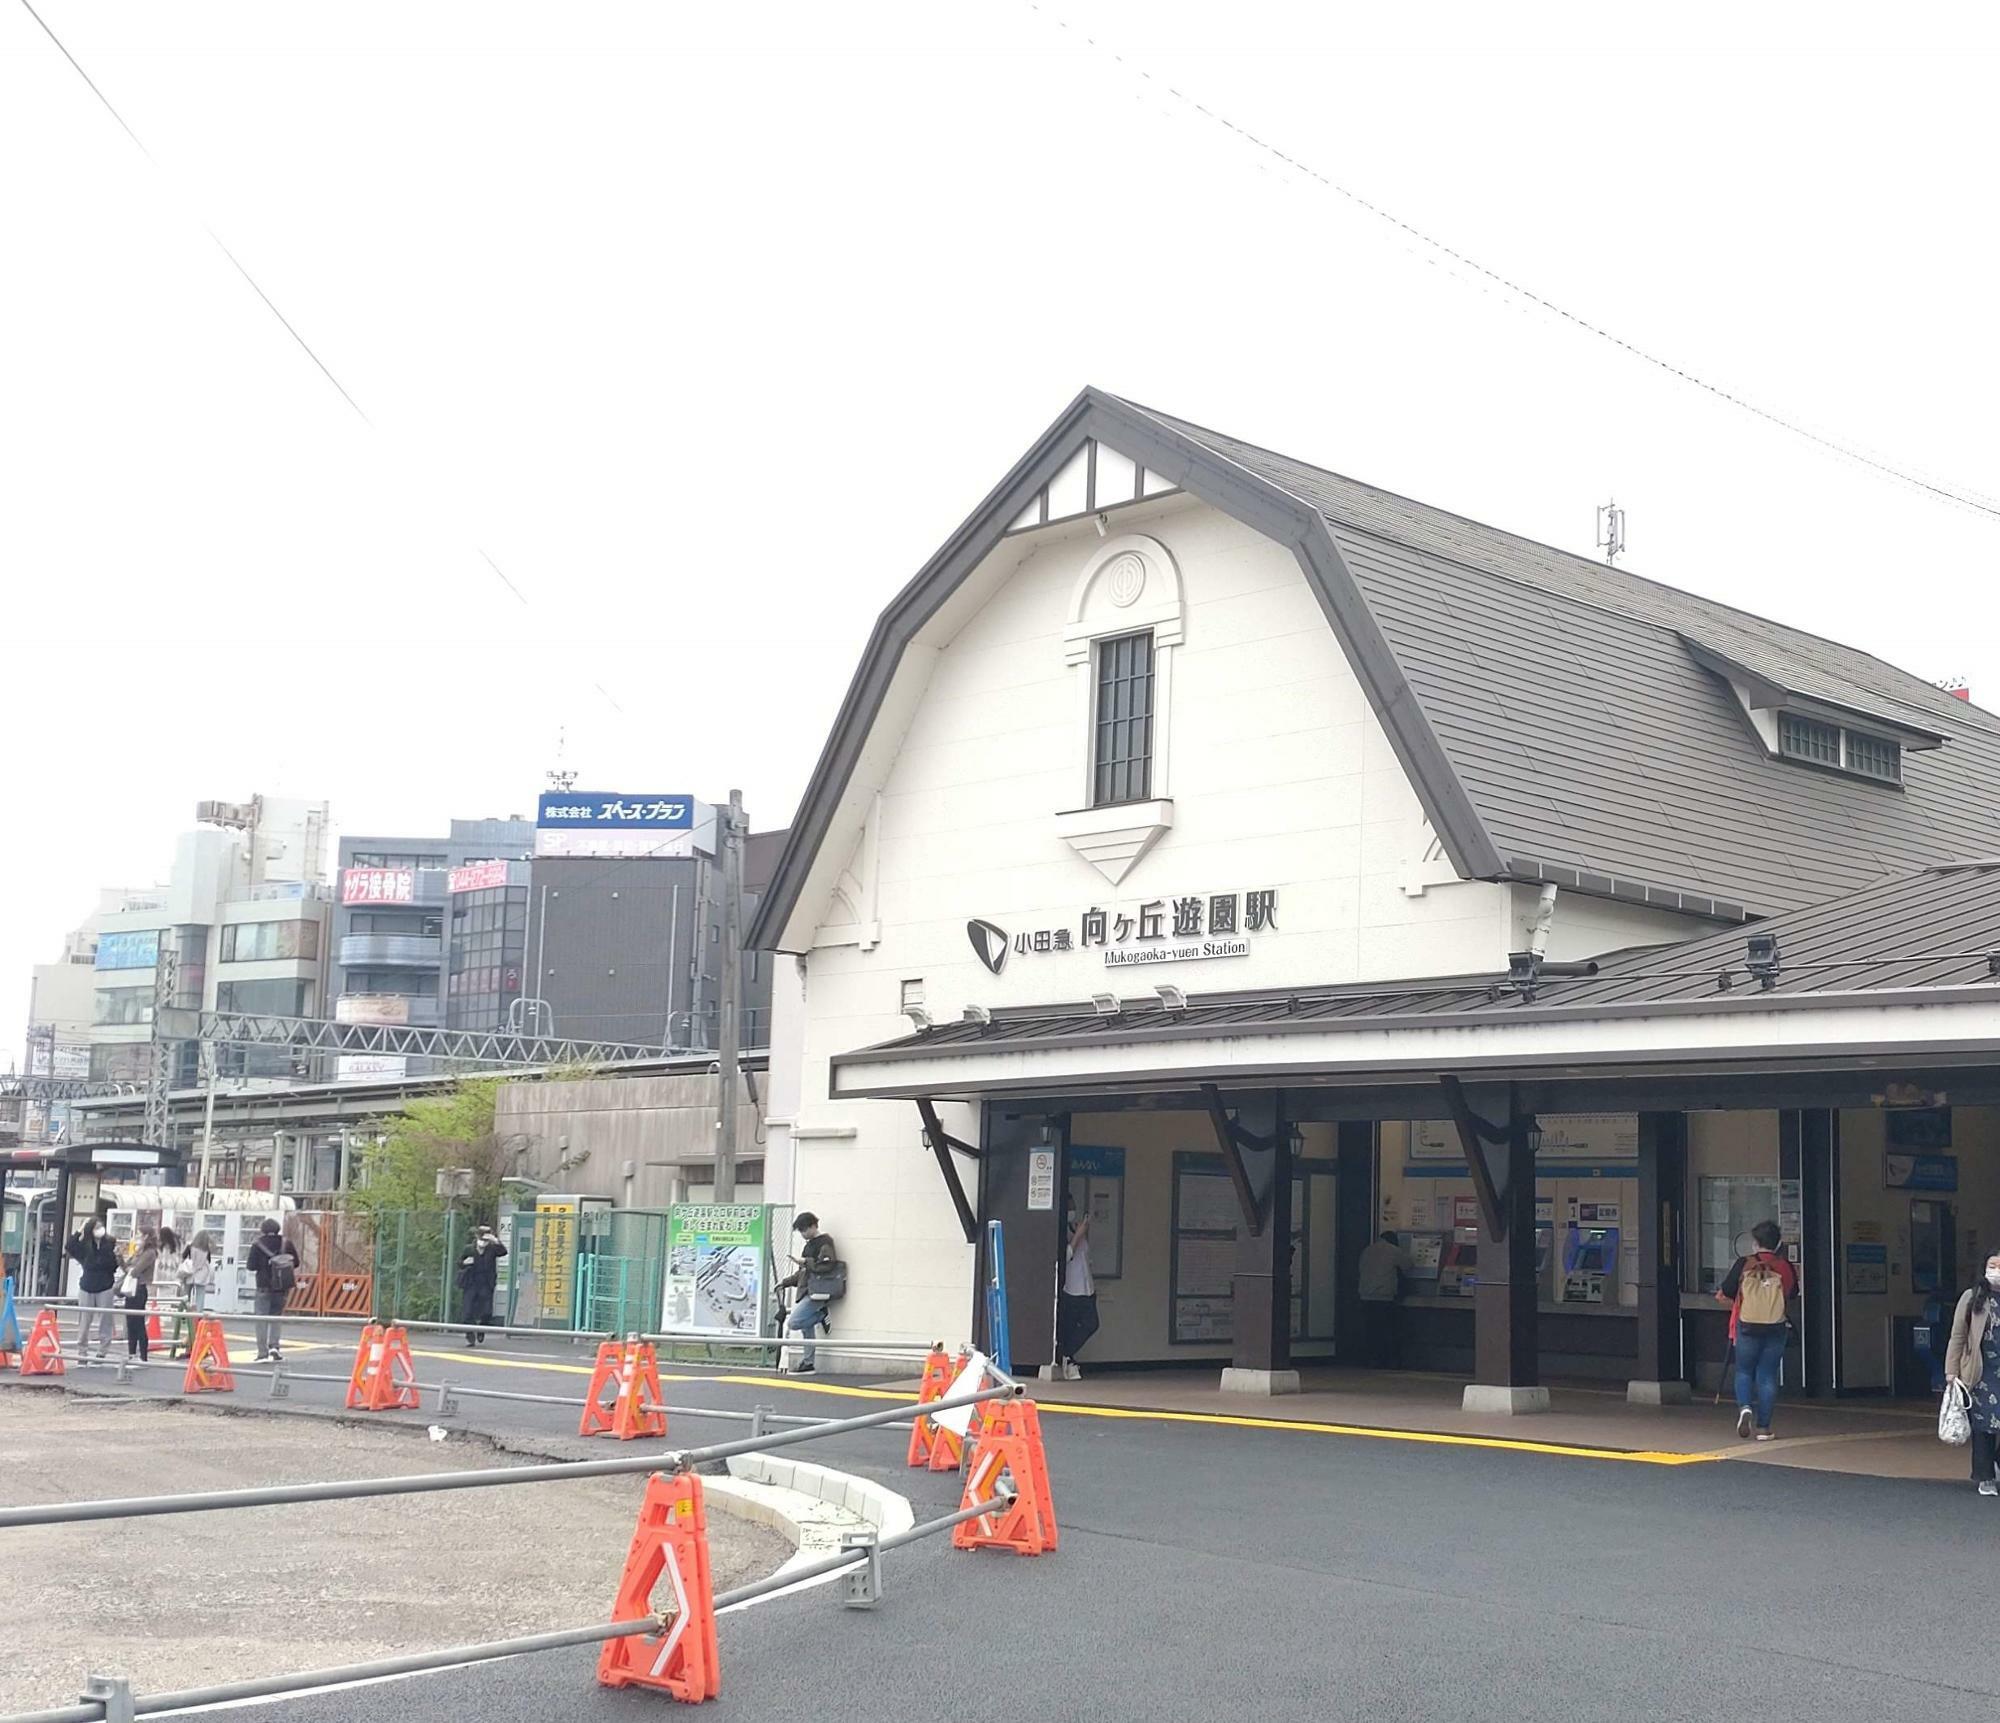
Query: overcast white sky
[708, 324]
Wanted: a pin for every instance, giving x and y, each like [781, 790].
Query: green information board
[715, 1268]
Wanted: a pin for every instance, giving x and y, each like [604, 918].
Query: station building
[1265, 861]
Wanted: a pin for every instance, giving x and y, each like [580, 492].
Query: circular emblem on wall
[1125, 579]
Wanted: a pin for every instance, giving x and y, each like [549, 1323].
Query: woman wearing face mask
[1973, 1357]
[96, 1255]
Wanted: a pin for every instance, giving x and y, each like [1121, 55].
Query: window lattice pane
[1874, 758]
[1808, 739]
[1122, 746]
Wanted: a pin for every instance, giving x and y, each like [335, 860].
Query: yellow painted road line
[1247, 1421]
[1218, 1420]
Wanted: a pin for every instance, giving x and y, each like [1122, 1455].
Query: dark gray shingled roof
[1551, 712]
[1928, 930]
[1586, 734]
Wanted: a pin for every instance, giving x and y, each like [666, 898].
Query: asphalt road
[1208, 1570]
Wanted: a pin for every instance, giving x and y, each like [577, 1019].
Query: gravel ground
[191, 1599]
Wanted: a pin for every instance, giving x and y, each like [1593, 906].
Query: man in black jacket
[95, 1252]
[819, 1262]
[275, 1266]
[478, 1276]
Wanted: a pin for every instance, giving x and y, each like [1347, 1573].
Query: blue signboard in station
[598, 810]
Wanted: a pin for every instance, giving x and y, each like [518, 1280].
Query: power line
[1958, 496]
[270, 304]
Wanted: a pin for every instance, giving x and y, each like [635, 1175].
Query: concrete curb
[875, 1504]
[812, 1505]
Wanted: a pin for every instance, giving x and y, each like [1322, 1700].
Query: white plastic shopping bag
[1954, 1418]
[958, 1419]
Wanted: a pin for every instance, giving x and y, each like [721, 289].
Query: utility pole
[159, 1067]
[729, 1013]
[210, 1061]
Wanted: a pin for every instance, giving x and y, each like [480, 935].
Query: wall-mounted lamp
[1763, 960]
[920, 1019]
[1107, 1004]
[1171, 997]
[976, 1014]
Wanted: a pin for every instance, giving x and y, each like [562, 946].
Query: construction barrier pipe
[280, 1495]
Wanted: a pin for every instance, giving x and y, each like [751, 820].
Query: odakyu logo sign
[989, 944]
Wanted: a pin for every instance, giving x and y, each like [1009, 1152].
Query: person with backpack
[478, 1277]
[1972, 1356]
[819, 1279]
[1757, 1289]
[274, 1265]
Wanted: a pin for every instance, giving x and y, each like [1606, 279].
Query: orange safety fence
[385, 1375]
[42, 1356]
[923, 1433]
[336, 1264]
[208, 1369]
[631, 1368]
[1009, 1447]
[683, 1659]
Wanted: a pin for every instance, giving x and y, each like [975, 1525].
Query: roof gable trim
[1206, 474]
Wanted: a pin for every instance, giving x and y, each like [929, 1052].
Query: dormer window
[1838, 748]
[1807, 719]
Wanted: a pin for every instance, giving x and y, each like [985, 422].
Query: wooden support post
[941, 1145]
[1261, 1286]
[1357, 1219]
[1505, 1342]
[1474, 1133]
[1659, 1375]
[1809, 1153]
[1229, 1143]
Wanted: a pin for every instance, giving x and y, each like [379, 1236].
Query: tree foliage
[433, 1132]
[455, 1129]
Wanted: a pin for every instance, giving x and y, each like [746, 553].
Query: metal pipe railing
[851, 1557]
[763, 1418]
[894, 1349]
[281, 1495]
[417, 1663]
[377, 1669]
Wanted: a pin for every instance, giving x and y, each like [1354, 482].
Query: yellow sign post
[555, 1254]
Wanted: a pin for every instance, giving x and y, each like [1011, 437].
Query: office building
[396, 898]
[61, 1008]
[244, 917]
[629, 948]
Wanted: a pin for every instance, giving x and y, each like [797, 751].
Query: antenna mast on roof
[560, 777]
[1611, 532]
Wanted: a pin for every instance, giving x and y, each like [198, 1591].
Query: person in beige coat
[1973, 1357]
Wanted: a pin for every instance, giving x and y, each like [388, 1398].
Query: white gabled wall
[1282, 779]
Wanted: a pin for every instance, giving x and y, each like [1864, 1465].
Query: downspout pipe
[1541, 920]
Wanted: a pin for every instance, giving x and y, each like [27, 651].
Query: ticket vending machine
[1458, 1268]
[1590, 1265]
[1426, 1256]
